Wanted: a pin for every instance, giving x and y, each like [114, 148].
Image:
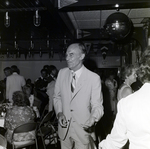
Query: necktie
[73, 82]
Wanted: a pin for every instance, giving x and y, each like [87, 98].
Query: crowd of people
[131, 122]
[26, 101]
[84, 102]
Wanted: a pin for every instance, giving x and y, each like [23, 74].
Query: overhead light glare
[7, 3]
[6, 20]
[37, 19]
[117, 5]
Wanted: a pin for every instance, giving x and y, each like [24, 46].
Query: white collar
[79, 71]
[15, 73]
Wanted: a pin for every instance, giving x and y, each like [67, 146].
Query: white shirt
[78, 73]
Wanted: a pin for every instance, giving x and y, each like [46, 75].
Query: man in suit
[14, 82]
[132, 120]
[78, 110]
[7, 71]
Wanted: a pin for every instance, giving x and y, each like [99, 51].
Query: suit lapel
[68, 83]
[80, 83]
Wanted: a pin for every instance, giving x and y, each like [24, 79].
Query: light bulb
[7, 20]
[36, 19]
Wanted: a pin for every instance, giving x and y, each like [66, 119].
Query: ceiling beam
[84, 5]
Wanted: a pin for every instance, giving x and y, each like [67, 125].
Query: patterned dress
[16, 116]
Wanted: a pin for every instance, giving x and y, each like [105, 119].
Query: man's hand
[89, 125]
[62, 119]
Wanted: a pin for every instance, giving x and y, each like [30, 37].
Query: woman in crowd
[128, 75]
[111, 87]
[18, 114]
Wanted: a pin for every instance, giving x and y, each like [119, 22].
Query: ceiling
[63, 21]
[90, 15]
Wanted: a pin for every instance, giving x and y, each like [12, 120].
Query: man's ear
[82, 56]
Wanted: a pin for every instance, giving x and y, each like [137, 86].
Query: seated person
[29, 82]
[40, 86]
[34, 101]
[18, 114]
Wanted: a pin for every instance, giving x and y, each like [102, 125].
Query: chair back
[25, 127]
[3, 141]
[44, 112]
[47, 118]
[46, 130]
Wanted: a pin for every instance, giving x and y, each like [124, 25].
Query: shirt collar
[15, 73]
[79, 71]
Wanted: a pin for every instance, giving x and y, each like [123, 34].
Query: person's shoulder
[28, 109]
[127, 89]
[92, 76]
[91, 72]
[51, 84]
[129, 100]
[21, 76]
[64, 70]
[124, 86]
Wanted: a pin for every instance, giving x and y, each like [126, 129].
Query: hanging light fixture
[37, 19]
[6, 20]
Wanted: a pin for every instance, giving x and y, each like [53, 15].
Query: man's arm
[96, 102]
[97, 99]
[58, 102]
[57, 95]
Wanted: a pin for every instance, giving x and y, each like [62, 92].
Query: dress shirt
[78, 73]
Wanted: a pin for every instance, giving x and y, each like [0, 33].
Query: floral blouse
[16, 116]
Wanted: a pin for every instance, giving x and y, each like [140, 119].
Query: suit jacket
[50, 93]
[132, 122]
[14, 82]
[85, 102]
